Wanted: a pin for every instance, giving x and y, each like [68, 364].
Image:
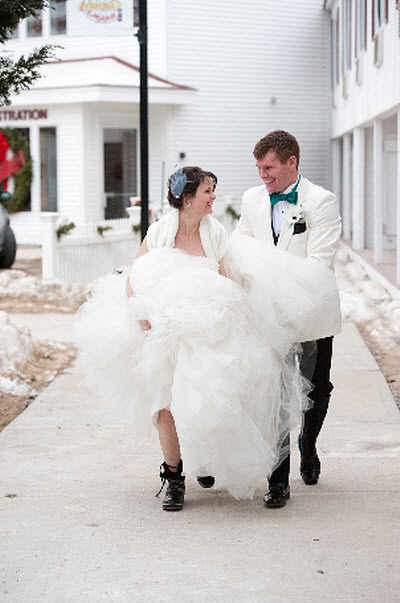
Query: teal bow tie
[289, 197]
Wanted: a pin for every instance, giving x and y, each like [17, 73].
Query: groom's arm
[325, 229]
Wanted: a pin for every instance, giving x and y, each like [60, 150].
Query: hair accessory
[178, 182]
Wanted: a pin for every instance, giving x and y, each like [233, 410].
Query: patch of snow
[16, 345]
[8, 386]
[18, 285]
[16, 348]
[366, 301]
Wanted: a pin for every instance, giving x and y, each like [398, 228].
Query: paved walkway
[79, 520]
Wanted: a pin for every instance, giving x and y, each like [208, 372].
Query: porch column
[49, 245]
[346, 187]
[337, 168]
[398, 199]
[34, 144]
[377, 192]
[358, 213]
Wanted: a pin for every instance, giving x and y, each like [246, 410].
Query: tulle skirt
[222, 353]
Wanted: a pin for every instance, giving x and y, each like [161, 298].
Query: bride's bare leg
[168, 438]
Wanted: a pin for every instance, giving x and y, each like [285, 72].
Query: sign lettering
[23, 114]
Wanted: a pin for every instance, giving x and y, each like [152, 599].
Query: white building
[223, 74]
[366, 127]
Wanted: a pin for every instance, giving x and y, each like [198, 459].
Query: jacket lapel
[287, 227]
[263, 217]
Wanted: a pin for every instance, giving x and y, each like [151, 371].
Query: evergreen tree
[20, 74]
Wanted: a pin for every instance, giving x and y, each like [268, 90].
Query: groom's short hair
[284, 144]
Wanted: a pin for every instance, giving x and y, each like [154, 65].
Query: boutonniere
[297, 215]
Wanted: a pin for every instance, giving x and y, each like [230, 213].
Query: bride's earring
[188, 204]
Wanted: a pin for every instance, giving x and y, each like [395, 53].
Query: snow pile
[16, 345]
[16, 348]
[367, 302]
[24, 361]
[15, 284]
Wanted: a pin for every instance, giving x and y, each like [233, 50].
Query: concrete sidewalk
[79, 520]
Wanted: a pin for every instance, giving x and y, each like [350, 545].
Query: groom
[313, 232]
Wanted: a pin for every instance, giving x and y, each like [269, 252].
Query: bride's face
[202, 202]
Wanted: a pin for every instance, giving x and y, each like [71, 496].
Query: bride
[199, 339]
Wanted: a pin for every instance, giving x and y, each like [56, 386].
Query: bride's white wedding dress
[219, 355]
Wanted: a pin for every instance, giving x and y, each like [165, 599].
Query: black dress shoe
[310, 465]
[277, 496]
[206, 481]
[310, 468]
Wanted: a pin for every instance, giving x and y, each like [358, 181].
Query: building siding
[239, 57]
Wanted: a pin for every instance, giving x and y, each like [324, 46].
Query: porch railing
[89, 250]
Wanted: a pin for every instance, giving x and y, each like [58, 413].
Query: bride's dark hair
[195, 176]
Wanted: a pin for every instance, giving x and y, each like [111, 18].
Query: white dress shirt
[279, 211]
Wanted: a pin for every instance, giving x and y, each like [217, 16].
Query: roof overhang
[99, 79]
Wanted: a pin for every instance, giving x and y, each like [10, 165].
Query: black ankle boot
[175, 493]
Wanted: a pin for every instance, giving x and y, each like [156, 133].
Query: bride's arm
[222, 270]
[144, 324]
[143, 249]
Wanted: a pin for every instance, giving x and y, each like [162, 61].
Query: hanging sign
[100, 18]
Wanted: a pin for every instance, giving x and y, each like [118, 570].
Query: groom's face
[277, 176]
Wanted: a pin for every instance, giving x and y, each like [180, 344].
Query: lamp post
[140, 19]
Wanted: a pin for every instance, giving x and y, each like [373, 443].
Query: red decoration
[11, 167]
[4, 146]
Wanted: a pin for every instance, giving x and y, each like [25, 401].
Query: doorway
[120, 170]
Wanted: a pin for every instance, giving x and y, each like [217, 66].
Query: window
[120, 159]
[360, 26]
[15, 33]
[48, 169]
[380, 14]
[347, 35]
[58, 18]
[335, 49]
[34, 25]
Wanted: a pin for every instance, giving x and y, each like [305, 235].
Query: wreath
[18, 141]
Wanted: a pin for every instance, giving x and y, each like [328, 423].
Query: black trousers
[315, 365]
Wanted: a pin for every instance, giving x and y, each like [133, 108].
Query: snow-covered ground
[366, 302]
[16, 285]
[23, 363]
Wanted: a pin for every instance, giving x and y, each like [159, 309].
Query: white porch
[366, 169]
[91, 109]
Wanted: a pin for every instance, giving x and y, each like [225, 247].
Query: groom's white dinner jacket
[311, 229]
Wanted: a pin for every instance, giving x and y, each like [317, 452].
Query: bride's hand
[145, 325]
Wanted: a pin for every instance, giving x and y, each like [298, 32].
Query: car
[8, 245]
